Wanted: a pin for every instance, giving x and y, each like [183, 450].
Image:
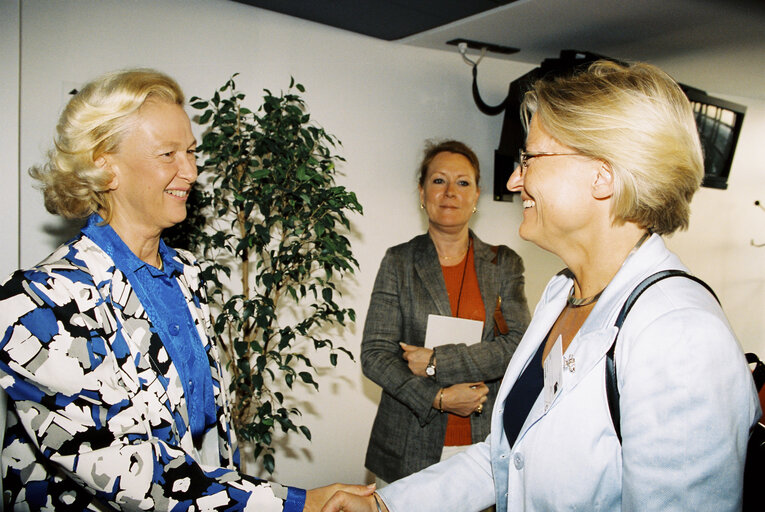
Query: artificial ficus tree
[269, 225]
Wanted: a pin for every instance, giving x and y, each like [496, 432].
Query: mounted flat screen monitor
[718, 121]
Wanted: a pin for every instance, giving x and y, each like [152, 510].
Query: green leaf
[205, 117]
[268, 463]
[308, 379]
[347, 352]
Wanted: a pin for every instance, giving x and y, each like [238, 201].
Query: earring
[475, 209]
[422, 206]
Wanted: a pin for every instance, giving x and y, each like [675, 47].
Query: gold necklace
[460, 256]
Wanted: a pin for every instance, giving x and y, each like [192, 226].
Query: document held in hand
[445, 330]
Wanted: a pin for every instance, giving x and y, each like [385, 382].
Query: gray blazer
[408, 433]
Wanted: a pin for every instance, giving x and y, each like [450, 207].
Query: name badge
[553, 372]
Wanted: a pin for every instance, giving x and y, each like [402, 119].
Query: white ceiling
[714, 45]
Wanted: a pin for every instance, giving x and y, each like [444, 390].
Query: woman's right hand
[316, 499]
[462, 399]
[348, 502]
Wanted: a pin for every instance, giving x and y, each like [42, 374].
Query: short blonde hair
[91, 125]
[636, 119]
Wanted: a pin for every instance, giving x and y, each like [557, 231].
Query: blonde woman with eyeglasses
[612, 159]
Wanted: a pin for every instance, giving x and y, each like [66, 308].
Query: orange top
[470, 304]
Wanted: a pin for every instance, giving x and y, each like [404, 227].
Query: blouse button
[175, 329]
[518, 461]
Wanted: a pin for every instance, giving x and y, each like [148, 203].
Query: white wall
[9, 135]
[717, 246]
[382, 100]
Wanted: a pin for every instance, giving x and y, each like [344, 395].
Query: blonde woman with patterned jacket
[117, 397]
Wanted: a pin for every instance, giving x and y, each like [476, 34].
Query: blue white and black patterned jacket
[97, 418]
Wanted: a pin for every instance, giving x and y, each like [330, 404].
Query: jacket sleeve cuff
[295, 500]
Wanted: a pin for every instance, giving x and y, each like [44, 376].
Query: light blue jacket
[687, 403]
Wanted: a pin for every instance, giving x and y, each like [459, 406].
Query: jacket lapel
[200, 313]
[194, 293]
[428, 270]
[488, 281]
[596, 335]
[587, 348]
[544, 317]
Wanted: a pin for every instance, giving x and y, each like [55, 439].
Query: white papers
[445, 330]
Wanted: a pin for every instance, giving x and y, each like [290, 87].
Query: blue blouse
[160, 294]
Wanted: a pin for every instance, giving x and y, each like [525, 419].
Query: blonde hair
[637, 120]
[91, 125]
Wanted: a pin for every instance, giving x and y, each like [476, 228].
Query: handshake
[344, 498]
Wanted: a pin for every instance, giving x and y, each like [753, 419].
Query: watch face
[430, 371]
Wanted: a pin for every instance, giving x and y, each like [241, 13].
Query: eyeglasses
[524, 157]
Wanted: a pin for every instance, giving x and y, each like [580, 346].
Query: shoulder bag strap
[758, 374]
[612, 388]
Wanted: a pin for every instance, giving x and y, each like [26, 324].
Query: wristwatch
[430, 370]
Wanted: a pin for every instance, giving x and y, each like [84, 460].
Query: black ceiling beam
[383, 19]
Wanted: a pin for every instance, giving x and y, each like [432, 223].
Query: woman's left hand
[417, 358]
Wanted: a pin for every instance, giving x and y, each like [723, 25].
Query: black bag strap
[758, 373]
[612, 388]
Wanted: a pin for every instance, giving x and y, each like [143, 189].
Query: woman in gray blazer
[433, 397]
